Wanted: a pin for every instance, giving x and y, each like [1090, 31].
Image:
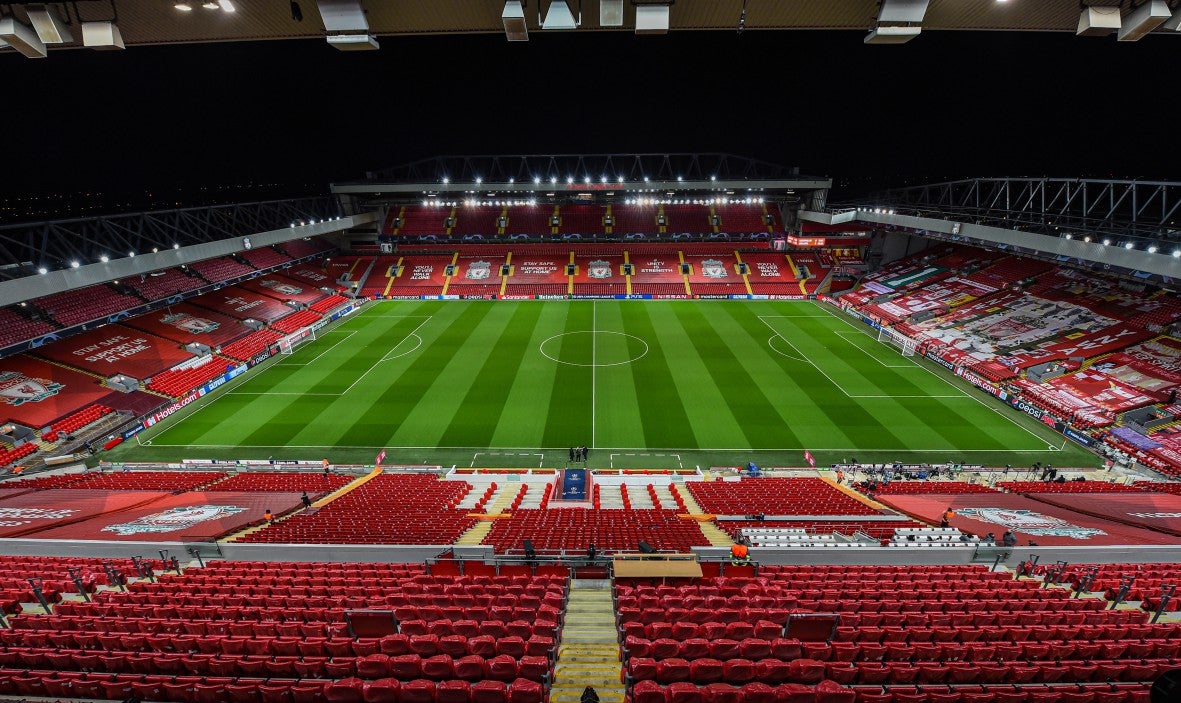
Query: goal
[892, 337]
[288, 344]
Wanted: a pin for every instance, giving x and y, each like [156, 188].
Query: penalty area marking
[350, 334]
[842, 334]
[674, 456]
[479, 454]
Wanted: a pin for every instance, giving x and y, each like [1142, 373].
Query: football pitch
[642, 383]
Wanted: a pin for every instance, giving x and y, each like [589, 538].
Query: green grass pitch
[643, 383]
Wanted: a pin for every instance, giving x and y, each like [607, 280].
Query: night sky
[298, 114]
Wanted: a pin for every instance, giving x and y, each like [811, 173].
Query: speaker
[646, 548]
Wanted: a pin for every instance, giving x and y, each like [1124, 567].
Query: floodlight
[48, 25]
[44, 270]
[652, 19]
[175, 246]
[610, 13]
[102, 35]
[1152, 249]
[353, 42]
[559, 16]
[1106, 242]
[22, 38]
[227, 5]
[479, 180]
[1098, 21]
[74, 264]
[104, 258]
[184, 6]
[887, 34]
[1143, 20]
[1129, 245]
[513, 16]
[209, 5]
[537, 180]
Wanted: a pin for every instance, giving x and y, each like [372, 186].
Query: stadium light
[44, 270]
[559, 16]
[553, 180]
[74, 264]
[22, 38]
[586, 179]
[512, 180]
[1176, 254]
[1106, 242]
[1152, 249]
[713, 178]
[155, 250]
[227, 6]
[479, 180]
[679, 179]
[513, 17]
[602, 179]
[104, 258]
[1087, 239]
[569, 180]
[446, 180]
[131, 254]
[537, 180]
[183, 6]
[1129, 245]
[1068, 235]
[210, 5]
[619, 179]
[175, 245]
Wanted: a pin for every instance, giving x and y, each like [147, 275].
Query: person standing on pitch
[571, 455]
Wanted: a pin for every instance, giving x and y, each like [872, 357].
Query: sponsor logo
[189, 323]
[1078, 436]
[1029, 409]
[712, 268]
[551, 297]
[599, 269]
[174, 519]
[161, 414]
[1030, 522]
[284, 288]
[939, 360]
[478, 271]
[18, 389]
[516, 297]
[133, 431]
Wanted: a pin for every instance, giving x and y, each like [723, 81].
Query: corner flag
[380, 457]
[811, 460]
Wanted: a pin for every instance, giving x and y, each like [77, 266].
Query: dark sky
[300, 114]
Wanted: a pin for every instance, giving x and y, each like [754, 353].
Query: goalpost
[288, 344]
[892, 337]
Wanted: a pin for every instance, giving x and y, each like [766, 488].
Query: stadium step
[500, 501]
[691, 504]
[589, 653]
[717, 536]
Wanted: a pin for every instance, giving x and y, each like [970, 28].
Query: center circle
[584, 348]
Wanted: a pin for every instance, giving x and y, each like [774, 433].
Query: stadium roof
[143, 22]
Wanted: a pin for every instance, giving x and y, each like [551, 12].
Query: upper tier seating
[582, 219]
[124, 480]
[15, 327]
[479, 219]
[220, 269]
[284, 482]
[265, 257]
[528, 219]
[607, 529]
[426, 219]
[74, 307]
[693, 219]
[163, 284]
[741, 218]
[388, 509]
[1067, 487]
[775, 496]
[299, 248]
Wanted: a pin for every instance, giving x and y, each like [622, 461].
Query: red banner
[28, 513]
[1100, 342]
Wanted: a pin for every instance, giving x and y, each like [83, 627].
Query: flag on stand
[811, 460]
[380, 457]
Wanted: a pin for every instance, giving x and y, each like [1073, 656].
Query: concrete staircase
[717, 536]
[589, 653]
[476, 534]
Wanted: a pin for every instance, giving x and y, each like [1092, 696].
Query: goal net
[288, 344]
[892, 337]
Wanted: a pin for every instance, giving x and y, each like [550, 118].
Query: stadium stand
[775, 496]
[330, 303]
[477, 220]
[380, 277]
[221, 269]
[295, 321]
[923, 487]
[126, 480]
[607, 529]
[283, 482]
[1066, 487]
[387, 509]
[176, 382]
[199, 636]
[265, 257]
[74, 307]
[245, 348]
[1159, 486]
[15, 328]
[426, 219]
[186, 323]
[165, 283]
[528, 219]
[75, 422]
[848, 527]
[741, 218]
[10, 456]
[582, 219]
[301, 248]
[422, 274]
